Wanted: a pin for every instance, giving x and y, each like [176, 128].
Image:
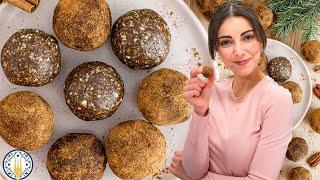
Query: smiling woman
[241, 54]
[240, 126]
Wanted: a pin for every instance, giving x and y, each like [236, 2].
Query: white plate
[188, 39]
[300, 74]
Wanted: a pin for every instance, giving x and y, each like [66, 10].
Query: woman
[241, 126]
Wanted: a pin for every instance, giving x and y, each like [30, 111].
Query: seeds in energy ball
[31, 57]
[141, 39]
[93, 90]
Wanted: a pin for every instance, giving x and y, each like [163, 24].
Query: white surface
[188, 37]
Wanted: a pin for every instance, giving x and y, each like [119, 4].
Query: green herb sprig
[296, 14]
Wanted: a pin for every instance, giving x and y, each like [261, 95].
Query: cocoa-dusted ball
[26, 120]
[31, 57]
[297, 149]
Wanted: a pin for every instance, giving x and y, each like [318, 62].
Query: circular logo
[17, 164]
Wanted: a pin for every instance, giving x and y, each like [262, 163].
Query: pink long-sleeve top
[241, 138]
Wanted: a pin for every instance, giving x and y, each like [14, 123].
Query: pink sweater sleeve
[196, 150]
[276, 133]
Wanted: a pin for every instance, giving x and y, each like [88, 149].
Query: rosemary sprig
[296, 14]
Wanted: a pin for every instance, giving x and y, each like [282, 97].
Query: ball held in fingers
[207, 71]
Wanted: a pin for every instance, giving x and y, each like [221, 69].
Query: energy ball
[279, 69]
[135, 149]
[295, 90]
[207, 71]
[209, 7]
[314, 120]
[264, 15]
[93, 90]
[297, 149]
[141, 39]
[299, 173]
[77, 156]
[26, 120]
[83, 24]
[31, 57]
[160, 97]
[311, 51]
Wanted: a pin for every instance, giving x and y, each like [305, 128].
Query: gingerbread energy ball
[207, 71]
[265, 15]
[83, 24]
[93, 91]
[26, 120]
[160, 97]
[311, 51]
[297, 149]
[314, 120]
[209, 7]
[295, 90]
[77, 156]
[279, 69]
[135, 149]
[31, 57]
[299, 173]
[141, 39]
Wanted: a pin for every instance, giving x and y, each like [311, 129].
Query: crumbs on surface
[159, 175]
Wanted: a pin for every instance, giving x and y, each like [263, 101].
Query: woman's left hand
[176, 167]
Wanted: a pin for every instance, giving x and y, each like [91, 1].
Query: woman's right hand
[2, 177]
[198, 92]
